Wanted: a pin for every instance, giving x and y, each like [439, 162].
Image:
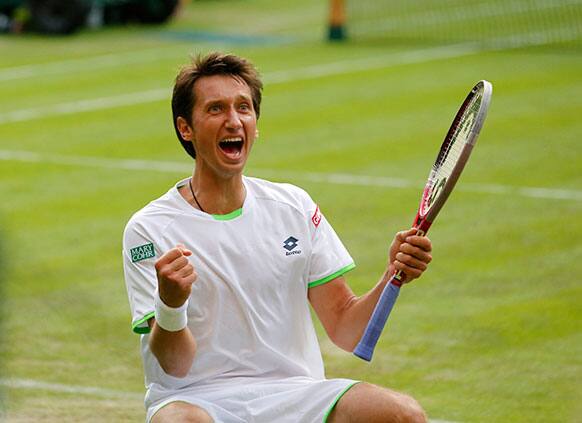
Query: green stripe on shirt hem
[341, 394]
[137, 328]
[332, 276]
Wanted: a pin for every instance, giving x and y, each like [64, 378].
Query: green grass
[491, 333]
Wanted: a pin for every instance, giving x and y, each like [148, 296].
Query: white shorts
[291, 400]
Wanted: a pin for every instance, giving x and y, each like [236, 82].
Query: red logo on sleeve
[316, 218]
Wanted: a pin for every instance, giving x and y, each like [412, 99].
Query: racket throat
[397, 279]
[421, 224]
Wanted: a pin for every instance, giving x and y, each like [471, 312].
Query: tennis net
[490, 21]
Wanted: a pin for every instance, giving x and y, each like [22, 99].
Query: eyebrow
[239, 97]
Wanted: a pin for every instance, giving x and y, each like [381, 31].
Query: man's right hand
[175, 276]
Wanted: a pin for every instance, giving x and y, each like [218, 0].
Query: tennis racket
[445, 172]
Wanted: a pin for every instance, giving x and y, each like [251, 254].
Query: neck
[216, 196]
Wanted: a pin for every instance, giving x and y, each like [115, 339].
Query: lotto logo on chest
[291, 244]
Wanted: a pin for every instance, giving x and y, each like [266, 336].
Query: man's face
[224, 124]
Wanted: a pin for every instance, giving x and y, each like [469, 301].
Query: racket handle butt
[365, 347]
[363, 352]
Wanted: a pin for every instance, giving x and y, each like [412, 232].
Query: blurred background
[358, 96]
[67, 17]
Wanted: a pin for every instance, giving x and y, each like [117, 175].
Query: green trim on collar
[138, 327]
[332, 276]
[228, 216]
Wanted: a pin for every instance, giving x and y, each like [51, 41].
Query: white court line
[13, 383]
[326, 178]
[87, 63]
[74, 107]
[370, 63]
[305, 73]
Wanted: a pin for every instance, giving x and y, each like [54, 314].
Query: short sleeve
[139, 256]
[329, 257]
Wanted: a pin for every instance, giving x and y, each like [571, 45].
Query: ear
[256, 133]
[185, 130]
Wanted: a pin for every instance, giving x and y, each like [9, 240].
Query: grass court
[492, 332]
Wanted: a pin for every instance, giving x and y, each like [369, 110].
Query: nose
[233, 121]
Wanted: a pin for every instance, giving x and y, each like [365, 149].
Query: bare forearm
[174, 346]
[344, 315]
[355, 316]
[174, 350]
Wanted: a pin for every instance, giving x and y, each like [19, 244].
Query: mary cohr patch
[142, 252]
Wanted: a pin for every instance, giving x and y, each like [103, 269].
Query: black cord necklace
[194, 195]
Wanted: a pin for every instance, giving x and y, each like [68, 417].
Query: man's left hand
[409, 253]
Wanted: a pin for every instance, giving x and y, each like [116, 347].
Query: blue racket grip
[365, 347]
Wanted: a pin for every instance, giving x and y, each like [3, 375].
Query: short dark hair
[183, 98]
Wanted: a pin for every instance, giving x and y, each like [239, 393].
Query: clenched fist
[175, 276]
[409, 253]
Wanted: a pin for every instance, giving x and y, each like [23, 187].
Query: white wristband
[170, 318]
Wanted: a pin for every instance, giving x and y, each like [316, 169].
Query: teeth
[232, 140]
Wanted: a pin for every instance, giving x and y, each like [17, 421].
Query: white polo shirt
[248, 310]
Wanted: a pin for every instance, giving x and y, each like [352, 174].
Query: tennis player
[220, 272]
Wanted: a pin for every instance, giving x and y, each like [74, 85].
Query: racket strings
[451, 151]
[460, 134]
[450, 159]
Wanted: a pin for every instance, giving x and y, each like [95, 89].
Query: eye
[245, 107]
[214, 108]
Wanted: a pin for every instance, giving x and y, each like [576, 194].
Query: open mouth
[232, 147]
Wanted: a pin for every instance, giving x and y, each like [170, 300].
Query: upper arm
[329, 301]
[139, 255]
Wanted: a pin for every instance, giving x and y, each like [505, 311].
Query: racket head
[454, 153]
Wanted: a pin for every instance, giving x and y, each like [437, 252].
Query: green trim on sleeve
[138, 326]
[332, 276]
[228, 216]
[341, 394]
